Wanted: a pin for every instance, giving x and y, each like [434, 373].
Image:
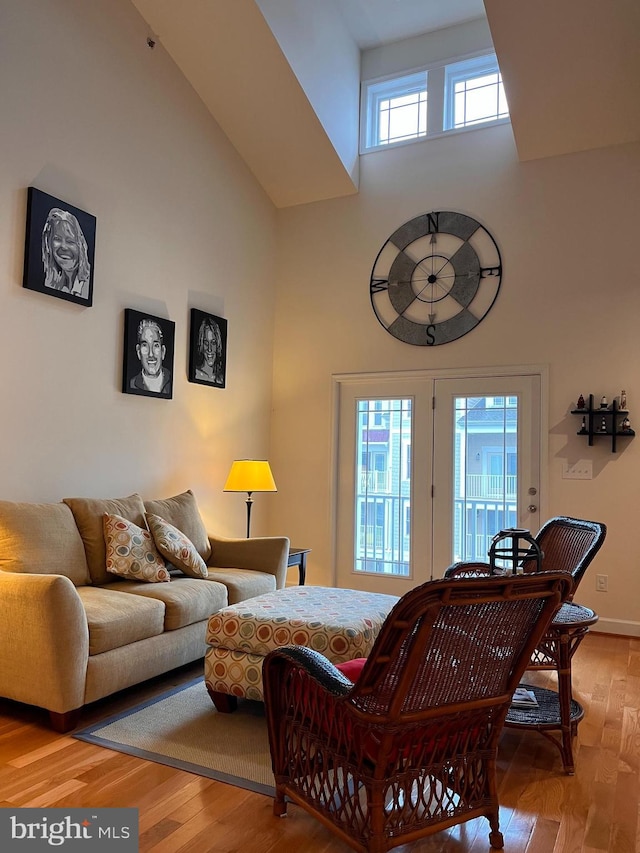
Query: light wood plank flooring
[542, 810]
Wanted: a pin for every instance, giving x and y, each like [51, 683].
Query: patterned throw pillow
[130, 551]
[176, 547]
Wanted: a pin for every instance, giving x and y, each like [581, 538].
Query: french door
[429, 468]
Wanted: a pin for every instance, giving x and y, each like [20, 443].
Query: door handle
[532, 508]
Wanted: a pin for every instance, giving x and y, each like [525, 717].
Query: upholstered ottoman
[341, 624]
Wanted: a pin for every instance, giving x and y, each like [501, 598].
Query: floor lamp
[250, 475]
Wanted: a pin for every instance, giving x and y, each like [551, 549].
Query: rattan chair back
[568, 545]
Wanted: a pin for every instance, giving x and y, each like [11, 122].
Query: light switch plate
[581, 470]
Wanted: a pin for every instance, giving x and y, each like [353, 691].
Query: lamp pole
[249, 505]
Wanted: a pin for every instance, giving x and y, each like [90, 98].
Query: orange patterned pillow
[131, 553]
[176, 547]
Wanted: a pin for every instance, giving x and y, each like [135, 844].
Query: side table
[298, 557]
[557, 711]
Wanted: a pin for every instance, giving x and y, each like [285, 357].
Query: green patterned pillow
[131, 553]
[176, 547]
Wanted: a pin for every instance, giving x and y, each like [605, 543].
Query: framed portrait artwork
[207, 349]
[147, 365]
[59, 248]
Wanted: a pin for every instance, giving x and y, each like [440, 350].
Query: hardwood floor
[542, 810]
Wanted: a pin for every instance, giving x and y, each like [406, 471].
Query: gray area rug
[182, 728]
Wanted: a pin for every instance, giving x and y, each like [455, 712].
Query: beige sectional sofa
[72, 633]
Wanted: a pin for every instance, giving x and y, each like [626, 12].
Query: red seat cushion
[352, 668]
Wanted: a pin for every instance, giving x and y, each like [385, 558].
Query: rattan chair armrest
[317, 666]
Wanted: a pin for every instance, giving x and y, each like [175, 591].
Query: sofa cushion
[186, 600]
[88, 514]
[131, 551]
[42, 539]
[176, 547]
[182, 511]
[116, 619]
[243, 583]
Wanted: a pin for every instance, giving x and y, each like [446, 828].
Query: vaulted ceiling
[571, 72]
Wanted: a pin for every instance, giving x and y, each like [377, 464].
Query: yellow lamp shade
[250, 475]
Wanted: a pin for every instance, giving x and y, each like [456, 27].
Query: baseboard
[622, 627]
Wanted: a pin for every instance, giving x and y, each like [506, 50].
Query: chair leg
[279, 804]
[496, 838]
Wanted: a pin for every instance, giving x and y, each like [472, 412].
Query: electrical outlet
[581, 470]
[602, 583]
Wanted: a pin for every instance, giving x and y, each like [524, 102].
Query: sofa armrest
[44, 641]
[268, 554]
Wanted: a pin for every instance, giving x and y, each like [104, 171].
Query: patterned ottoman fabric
[341, 624]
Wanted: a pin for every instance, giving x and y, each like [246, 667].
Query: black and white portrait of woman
[64, 254]
[59, 248]
[207, 349]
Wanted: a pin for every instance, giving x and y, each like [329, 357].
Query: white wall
[567, 231]
[326, 61]
[95, 118]
[438, 46]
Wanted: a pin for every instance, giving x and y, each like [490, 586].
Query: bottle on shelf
[604, 420]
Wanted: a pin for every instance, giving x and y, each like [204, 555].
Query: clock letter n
[433, 222]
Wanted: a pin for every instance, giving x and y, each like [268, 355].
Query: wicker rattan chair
[567, 544]
[409, 748]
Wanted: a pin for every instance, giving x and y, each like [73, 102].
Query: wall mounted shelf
[603, 421]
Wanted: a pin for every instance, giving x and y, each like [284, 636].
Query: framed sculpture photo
[59, 248]
[207, 349]
[147, 365]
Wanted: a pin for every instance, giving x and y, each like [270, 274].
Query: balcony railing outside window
[476, 523]
[375, 481]
[492, 486]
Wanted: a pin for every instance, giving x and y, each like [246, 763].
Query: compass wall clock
[435, 278]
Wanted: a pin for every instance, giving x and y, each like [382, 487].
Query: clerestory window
[432, 101]
[396, 109]
[474, 93]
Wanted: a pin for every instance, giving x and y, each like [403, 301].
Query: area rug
[182, 728]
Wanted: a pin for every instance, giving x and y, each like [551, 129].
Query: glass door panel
[484, 496]
[383, 487]
[486, 464]
[383, 545]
